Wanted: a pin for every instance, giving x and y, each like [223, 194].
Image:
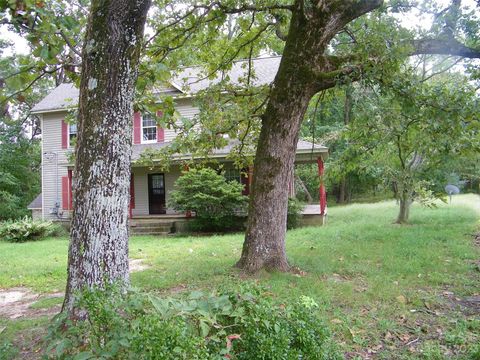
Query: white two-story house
[149, 189]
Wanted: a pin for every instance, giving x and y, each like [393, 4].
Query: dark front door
[156, 194]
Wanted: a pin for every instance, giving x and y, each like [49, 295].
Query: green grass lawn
[386, 290]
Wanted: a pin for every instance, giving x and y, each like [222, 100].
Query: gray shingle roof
[190, 80]
[64, 96]
[193, 79]
[36, 203]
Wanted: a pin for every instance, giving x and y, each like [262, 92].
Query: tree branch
[256, 8]
[353, 9]
[449, 46]
[433, 74]
[69, 43]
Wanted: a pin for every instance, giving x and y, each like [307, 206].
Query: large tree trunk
[404, 212]
[264, 245]
[304, 70]
[98, 252]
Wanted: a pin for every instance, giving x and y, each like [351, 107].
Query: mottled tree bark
[305, 69]
[98, 252]
[404, 212]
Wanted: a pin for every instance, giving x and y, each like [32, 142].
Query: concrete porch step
[157, 224]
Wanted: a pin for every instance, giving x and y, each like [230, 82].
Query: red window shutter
[137, 128]
[64, 135]
[160, 130]
[132, 192]
[160, 134]
[65, 193]
[70, 192]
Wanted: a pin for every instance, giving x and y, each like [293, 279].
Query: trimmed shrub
[217, 203]
[27, 229]
[242, 324]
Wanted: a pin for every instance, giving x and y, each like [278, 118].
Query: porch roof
[306, 151]
[36, 203]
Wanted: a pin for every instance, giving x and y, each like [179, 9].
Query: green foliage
[408, 130]
[325, 122]
[8, 351]
[294, 213]
[19, 170]
[54, 31]
[339, 275]
[425, 196]
[27, 229]
[308, 174]
[236, 324]
[215, 201]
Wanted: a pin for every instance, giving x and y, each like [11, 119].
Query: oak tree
[325, 43]
[98, 251]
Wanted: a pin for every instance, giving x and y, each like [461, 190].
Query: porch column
[323, 195]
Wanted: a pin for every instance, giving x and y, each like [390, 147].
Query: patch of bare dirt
[469, 305]
[177, 289]
[137, 265]
[16, 303]
[295, 270]
[476, 240]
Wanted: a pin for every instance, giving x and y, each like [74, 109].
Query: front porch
[150, 191]
[166, 224]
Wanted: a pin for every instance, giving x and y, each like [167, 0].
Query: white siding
[186, 109]
[141, 191]
[141, 188]
[53, 156]
[53, 171]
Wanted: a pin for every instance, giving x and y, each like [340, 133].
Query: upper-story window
[149, 129]
[72, 134]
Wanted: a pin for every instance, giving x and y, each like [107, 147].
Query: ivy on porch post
[323, 195]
